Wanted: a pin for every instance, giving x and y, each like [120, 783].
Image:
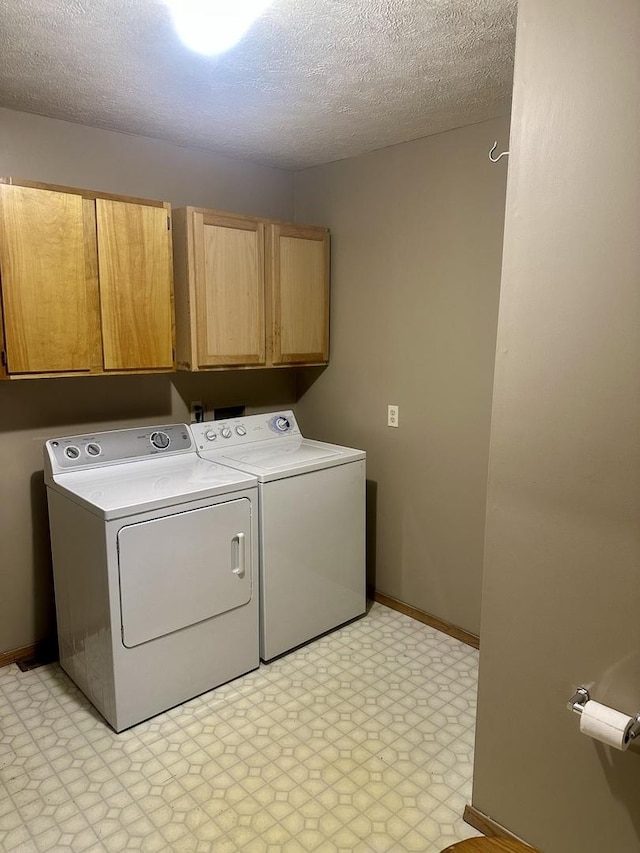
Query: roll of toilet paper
[606, 725]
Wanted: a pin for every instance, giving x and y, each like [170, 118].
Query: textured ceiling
[311, 82]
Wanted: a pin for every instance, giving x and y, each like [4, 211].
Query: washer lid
[285, 457]
[122, 490]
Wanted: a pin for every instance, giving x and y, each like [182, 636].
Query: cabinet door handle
[238, 554]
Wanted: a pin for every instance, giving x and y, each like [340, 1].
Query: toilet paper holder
[580, 699]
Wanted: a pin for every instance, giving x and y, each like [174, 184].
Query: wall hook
[495, 159]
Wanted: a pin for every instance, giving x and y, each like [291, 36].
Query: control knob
[210, 435]
[160, 440]
[93, 449]
[241, 430]
[281, 423]
[225, 432]
[72, 452]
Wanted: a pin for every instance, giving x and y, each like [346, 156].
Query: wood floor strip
[21, 653]
[487, 825]
[433, 621]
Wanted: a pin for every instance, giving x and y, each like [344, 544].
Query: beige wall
[561, 594]
[416, 249]
[46, 149]
[32, 410]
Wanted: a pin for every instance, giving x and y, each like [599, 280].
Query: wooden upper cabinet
[87, 284]
[249, 292]
[299, 294]
[136, 285]
[229, 290]
[45, 295]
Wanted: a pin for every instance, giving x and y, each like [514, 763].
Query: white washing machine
[155, 568]
[312, 524]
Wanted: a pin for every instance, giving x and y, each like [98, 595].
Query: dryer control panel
[212, 435]
[122, 445]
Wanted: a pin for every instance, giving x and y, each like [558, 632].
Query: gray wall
[31, 411]
[45, 149]
[561, 593]
[416, 251]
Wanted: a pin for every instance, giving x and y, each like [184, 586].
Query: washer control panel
[121, 445]
[216, 435]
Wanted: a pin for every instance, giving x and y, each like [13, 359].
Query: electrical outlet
[197, 412]
[392, 415]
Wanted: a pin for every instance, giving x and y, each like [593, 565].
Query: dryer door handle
[238, 554]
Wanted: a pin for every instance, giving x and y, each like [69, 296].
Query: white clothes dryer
[312, 524]
[155, 568]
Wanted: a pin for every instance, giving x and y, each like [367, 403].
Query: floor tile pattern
[360, 742]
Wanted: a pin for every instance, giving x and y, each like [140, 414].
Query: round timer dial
[160, 440]
[281, 423]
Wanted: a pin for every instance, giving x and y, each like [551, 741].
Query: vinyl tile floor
[360, 741]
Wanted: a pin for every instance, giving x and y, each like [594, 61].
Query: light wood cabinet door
[86, 282]
[249, 292]
[299, 283]
[136, 285]
[48, 313]
[228, 256]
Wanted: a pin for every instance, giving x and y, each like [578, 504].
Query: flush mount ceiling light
[213, 26]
